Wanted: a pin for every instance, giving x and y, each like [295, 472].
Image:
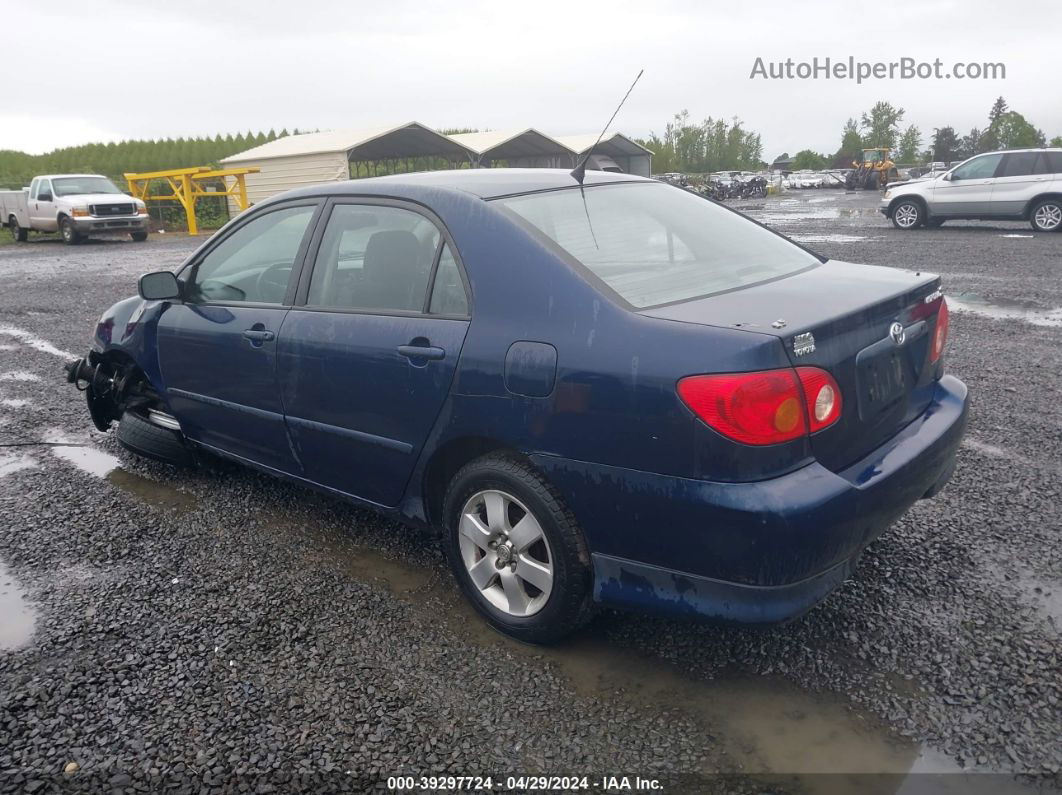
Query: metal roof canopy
[615, 145]
[512, 144]
[381, 143]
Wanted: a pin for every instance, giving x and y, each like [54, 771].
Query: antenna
[579, 172]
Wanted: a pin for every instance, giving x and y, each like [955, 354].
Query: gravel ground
[223, 628]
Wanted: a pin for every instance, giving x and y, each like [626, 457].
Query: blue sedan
[613, 393]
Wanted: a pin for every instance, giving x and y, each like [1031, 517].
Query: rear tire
[18, 234]
[908, 214]
[480, 532]
[1046, 215]
[68, 232]
[142, 438]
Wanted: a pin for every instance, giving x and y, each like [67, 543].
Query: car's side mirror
[44, 197]
[160, 286]
[948, 178]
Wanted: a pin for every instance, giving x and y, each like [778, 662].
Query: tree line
[116, 158]
[881, 127]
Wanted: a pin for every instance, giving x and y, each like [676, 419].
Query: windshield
[655, 244]
[82, 186]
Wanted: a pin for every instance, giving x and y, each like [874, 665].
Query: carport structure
[516, 148]
[632, 157]
[297, 160]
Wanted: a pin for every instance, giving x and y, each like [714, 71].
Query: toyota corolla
[613, 393]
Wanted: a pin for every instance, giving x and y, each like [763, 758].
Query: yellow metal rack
[188, 184]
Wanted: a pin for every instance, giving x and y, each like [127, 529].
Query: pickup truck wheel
[908, 214]
[138, 237]
[516, 550]
[68, 232]
[18, 234]
[1046, 216]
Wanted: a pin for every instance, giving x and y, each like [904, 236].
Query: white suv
[1017, 185]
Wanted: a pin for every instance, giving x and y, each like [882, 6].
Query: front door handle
[259, 335]
[421, 352]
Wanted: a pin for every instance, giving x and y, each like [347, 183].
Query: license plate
[882, 381]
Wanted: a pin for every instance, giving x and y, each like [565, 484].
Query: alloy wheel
[906, 216]
[505, 552]
[1048, 217]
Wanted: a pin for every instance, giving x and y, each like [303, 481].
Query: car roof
[61, 176]
[486, 183]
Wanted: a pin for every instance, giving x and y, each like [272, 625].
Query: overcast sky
[84, 72]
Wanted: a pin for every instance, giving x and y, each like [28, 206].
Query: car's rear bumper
[753, 552]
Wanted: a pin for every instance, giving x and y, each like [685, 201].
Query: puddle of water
[17, 618]
[5, 347]
[1019, 236]
[14, 403]
[1002, 309]
[766, 724]
[108, 467]
[19, 375]
[15, 463]
[859, 212]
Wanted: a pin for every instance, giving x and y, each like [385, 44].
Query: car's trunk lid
[838, 316]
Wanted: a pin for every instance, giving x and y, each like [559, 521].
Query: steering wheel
[272, 283]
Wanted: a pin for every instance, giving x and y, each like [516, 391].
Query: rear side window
[254, 262]
[448, 293]
[655, 244]
[1049, 163]
[376, 259]
[1019, 164]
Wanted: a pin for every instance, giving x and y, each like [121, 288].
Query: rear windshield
[656, 244]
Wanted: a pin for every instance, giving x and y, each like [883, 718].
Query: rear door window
[375, 259]
[1019, 164]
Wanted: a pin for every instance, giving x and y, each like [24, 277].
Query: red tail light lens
[767, 407]
[822, 396]
[940, 333]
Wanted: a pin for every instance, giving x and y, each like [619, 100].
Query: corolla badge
[897, 333]
[803, 344]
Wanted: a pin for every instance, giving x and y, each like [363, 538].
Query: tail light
[940, 333]
[767, 407]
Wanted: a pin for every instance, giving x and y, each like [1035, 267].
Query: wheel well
[447, 461]
[1033, 202]
[898, 199]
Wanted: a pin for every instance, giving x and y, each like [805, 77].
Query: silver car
[1016, 185]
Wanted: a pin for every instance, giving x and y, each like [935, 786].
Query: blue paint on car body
[553, 364]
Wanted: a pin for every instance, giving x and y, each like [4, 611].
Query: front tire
[908, 214]
[68, 232]
[138, 237]
[1046, 215]
[145, 439]
[516, 550]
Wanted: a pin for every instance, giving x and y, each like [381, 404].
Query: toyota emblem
[897, 333]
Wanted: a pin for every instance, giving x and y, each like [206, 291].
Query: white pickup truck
[76, 206]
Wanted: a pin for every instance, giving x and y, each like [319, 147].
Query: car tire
[18, 233]
[530, 580]
[138, 237]
[147, 440]
[908, 214]
[68, 232]
[1046, 215]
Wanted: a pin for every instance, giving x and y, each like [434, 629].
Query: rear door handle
[259, 335]
[421, 352]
